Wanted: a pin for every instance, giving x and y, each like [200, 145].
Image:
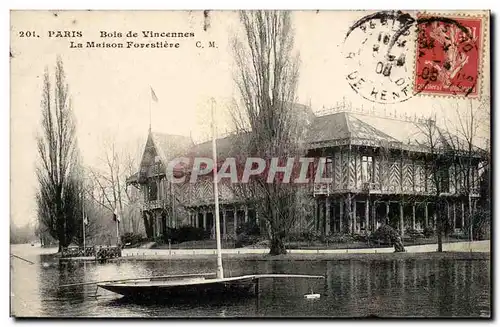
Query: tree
[58, 199]
[266, 76]
[112, 186]
[463, 142]
[437, 160]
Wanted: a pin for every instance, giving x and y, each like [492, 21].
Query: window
[152, 190]
[329, 167]
[367, 169]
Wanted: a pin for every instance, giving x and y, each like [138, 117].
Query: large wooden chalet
[378, 167]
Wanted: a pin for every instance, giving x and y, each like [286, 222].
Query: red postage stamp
[448, 58]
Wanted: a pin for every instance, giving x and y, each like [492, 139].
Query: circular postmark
[379, 53]
[448, 55]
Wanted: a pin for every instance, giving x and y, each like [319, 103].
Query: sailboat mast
[220, 272]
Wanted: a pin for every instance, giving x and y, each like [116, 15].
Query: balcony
[370, 186]
[322, 189]
[153, 204]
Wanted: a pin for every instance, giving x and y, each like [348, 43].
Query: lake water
[352, 288]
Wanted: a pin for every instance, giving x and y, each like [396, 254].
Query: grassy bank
[319, 257]
[313, 245]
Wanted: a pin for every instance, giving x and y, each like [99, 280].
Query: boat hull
[167, 291]
[188, 287]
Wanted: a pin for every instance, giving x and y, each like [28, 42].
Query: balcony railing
[370, 186]
[322, 188]
[154, 204]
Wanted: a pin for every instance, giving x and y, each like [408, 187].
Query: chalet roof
[227, 146]
[363, 129]
[170, 146]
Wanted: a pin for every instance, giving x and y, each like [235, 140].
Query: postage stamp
[448, 55]
[377, 49]
[393, 55]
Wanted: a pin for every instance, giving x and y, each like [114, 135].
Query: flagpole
[83, 221]
[220, 271]
[150, 113]
[117, 233]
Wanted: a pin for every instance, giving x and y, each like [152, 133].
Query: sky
[111, 88]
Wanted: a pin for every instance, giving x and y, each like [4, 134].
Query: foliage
[305, 236]
[385, 234]
[185, 234]
[428, 232]
[248, 228]
[481, 224]
[58, 170]
[247, 233]
[266, 76]
[413, 233]
[131, 239]
[339, 238]
[21, 235]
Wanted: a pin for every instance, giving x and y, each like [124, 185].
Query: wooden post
[463, 216]
[316, 214]
[401, 218]
[328, 215]
[246, 213]
[448, 212]
[321, 216]
[354, 218]
[204, 219]
[153, 223]
[387, 208]
[374, 216]
[348, 213]
[224, 222]
[341, 215]
[426, 215]
[413, 217]
[235, 215]
[454, 216]
[367, 214]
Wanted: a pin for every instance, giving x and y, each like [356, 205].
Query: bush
[248, 228]
[159, 240]
[308, 236]
[481, 224]
[360, 237]
[385, 234]
[247, 234]
[428, 231]
[131, 239]
[189, 233]
[185, 234]
[339, 238]
[413, 233]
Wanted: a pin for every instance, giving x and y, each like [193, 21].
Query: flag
[153, 95]
[116, 216]
[85, 220]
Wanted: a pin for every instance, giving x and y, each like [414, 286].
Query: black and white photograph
[250, 164]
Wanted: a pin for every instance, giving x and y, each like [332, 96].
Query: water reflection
[401, 288]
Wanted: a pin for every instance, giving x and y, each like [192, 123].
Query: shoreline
[478, 250]
[301, 257]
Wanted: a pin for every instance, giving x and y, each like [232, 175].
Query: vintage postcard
[193, 164]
